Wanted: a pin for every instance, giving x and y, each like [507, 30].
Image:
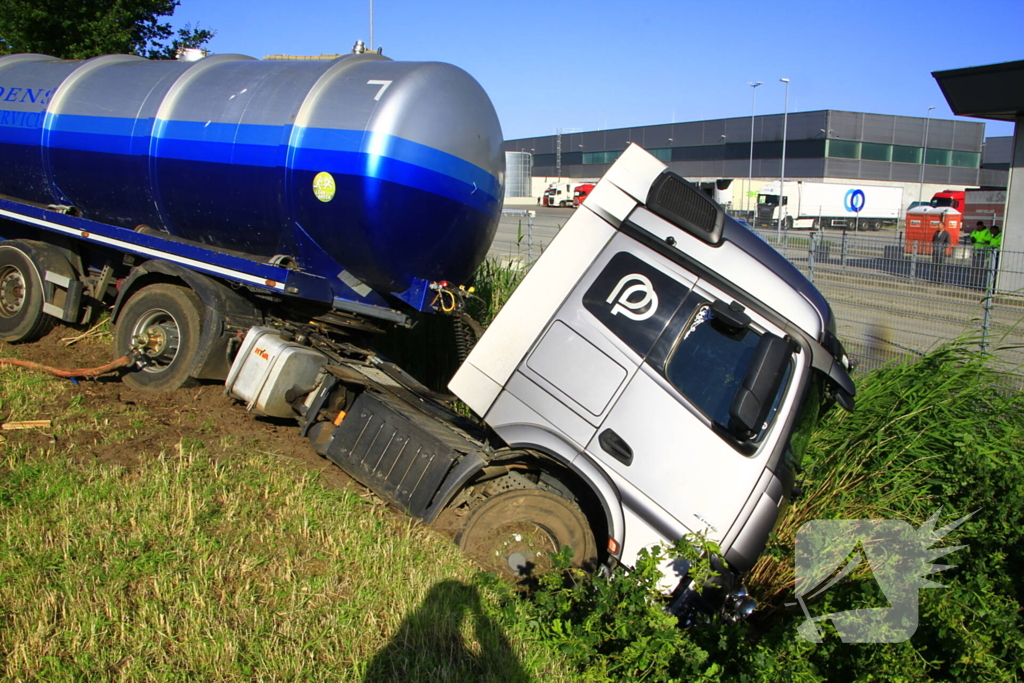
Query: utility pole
[782, 178]
[750, 171]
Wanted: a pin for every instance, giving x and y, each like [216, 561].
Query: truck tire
[787, 223]
[165, 320]
[514, 532]
[21, 294]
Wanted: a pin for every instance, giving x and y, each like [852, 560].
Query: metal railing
[892, 298]
[523, 235]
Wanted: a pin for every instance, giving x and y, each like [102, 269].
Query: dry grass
[213, 561]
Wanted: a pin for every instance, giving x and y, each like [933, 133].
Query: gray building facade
[823, 144]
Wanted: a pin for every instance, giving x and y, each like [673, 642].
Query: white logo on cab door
[634, 297]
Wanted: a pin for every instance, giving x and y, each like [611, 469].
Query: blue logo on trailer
[854, 201]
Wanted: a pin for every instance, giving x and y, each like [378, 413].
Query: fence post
[990, 293]
[913, 260]
[810, 256]
[529, 235]
[842, 253]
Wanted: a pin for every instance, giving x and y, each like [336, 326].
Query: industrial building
[824, 146]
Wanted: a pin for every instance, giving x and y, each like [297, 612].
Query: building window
[938, 157]
[966, 159]
[662, 153]
[875, 151]
[906, 155]
[843, 149]
[600, 157]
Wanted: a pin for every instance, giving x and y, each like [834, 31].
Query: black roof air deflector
[684, 205]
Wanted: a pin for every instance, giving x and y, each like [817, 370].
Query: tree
[79, 29]
[187, 38]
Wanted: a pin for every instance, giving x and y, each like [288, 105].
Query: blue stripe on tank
[374, 155]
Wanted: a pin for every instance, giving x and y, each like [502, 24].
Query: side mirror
[754, 398]
[731, 315]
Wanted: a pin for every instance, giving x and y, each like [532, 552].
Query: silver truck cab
[668, 356]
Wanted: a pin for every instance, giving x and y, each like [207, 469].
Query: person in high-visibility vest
[980, 235]
[995, 239]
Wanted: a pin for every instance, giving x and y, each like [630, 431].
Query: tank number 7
[383, 86]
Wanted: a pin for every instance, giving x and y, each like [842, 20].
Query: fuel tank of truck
[388, 170]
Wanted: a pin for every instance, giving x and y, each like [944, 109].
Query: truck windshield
[941, 201]
[769, 199]
[709, 363]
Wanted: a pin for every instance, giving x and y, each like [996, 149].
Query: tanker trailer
[338, 190]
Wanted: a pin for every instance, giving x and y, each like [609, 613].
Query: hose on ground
[121, 362]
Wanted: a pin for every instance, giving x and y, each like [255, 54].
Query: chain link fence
[523, 235]
[892, 298]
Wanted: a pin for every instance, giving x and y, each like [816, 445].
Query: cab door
[667, 438]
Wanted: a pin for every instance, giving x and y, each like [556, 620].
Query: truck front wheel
[513, 533]
[164, 322]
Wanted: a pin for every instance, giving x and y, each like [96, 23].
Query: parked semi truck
[581, 192]
[828, 205]
[566, 195]
[558, 194]
[658, 372]
[979, 204]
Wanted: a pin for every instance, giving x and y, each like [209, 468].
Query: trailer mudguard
[224, 309]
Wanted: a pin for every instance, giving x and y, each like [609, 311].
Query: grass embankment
[217, 561]
[214, 560]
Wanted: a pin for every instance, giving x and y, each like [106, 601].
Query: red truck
[974, 205]
[581, 193]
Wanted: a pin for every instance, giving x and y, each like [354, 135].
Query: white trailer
[820, 205]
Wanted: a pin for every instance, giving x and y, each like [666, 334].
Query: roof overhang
[993, 91]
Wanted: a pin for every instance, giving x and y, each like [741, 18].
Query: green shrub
[941, 432]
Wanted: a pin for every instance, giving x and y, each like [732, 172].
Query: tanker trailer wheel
[21, 290]
[165, 322]
[513, 533]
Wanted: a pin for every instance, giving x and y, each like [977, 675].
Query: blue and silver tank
[389, 171]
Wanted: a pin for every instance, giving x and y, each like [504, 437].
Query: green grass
[229, 565]
[217, 560]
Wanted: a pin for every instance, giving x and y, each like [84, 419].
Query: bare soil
[202, 412]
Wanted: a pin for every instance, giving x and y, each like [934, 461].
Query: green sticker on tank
[324, 187]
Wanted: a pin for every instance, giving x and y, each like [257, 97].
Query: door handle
[615, 446]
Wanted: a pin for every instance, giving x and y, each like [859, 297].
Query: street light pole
[782, 178]
[750, 171]
[924, 152]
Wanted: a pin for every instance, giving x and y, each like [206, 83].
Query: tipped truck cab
[670, 358]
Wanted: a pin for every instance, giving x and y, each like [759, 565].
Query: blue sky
[604, 64]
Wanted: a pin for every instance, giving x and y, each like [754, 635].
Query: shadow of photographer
[430, 645]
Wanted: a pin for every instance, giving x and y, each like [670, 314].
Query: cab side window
[709, 362]
[707, 359]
